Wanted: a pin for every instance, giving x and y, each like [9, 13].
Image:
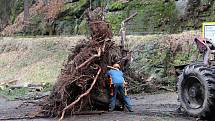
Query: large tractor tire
[196, 90]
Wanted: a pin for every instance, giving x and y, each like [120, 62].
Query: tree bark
[26, 11]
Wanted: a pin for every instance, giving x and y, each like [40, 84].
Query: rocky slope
[66, 17]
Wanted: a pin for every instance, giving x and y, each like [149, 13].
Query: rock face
[48, 18]
[154, 16]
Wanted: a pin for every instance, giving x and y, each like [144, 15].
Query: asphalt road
[157, 107]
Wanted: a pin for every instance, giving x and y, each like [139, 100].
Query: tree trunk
[26, 11]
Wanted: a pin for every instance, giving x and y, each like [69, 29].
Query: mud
[157, 107]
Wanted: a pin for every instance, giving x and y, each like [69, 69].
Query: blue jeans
[119, 87]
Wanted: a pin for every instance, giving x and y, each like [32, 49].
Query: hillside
[33, 59]
[40, 59]
[66, 17]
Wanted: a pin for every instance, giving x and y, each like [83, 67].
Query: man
[118, 84]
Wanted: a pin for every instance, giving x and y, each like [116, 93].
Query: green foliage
[115, 6]
[153, 16]
[17, 9]
[83, 28]
[115, 20]
[153, 57]
[71, 19]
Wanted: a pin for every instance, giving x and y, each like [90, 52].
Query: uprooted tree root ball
[82, 84]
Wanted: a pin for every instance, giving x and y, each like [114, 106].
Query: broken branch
[91, 58]
[130, 17]
[81, 96]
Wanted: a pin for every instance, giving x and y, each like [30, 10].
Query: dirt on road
[157, 107]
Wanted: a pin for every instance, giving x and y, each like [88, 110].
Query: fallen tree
[82, 83]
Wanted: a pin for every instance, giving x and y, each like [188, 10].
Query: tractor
[196, 81]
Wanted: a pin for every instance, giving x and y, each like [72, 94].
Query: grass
[46, 71]
[13, 94]
[34, 60]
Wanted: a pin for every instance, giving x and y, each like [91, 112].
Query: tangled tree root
[82, 83]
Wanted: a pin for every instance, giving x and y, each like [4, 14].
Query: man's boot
[130, 110]
[110, 109]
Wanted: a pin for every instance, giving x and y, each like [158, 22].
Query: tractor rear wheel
[196, 90]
